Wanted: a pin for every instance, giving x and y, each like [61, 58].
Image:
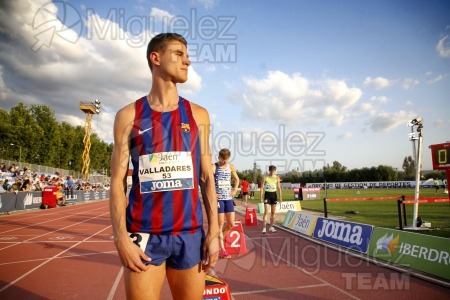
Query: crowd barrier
[29, 200]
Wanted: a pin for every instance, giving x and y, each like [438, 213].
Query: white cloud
[379, 99]
[409, 83]
[377, 83]
[365, 109]
[295, 99]
[207, 4]
[443, 47]
[161, 15]
[437, 78]
[386, 121]
[107, 63]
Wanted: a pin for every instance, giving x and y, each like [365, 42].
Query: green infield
[381, 213]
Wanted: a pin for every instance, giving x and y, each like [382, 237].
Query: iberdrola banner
[422, 252]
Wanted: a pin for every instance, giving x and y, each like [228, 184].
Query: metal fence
[40, 169]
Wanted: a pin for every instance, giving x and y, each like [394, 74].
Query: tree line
[339, 173]
[44, 141]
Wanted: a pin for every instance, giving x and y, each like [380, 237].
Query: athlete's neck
[163, 95]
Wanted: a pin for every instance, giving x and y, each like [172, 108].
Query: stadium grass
[381, 213]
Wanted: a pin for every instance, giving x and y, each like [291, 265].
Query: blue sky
[299, 84]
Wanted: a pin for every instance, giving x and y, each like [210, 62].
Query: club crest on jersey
[185, 127]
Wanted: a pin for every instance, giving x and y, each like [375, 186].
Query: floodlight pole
[418, 166]
[89, 108]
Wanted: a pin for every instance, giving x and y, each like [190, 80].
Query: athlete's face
[175, 61]
[223, 161]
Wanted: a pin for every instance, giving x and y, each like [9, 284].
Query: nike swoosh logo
[145, 130]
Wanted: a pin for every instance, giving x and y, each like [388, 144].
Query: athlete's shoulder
[197, 110]
[126, 113]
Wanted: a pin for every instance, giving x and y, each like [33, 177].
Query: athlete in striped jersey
[158, 232]
[227, 181]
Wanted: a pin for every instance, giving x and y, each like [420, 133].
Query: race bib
[166, 171]
[270, 187]
[140, 239]
[224, 184]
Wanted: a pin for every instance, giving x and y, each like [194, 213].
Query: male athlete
[158, 232]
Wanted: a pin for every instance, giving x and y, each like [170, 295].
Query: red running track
[68, 253]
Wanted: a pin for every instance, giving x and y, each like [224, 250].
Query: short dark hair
[272, 168]
[224, 153]
[158, 43]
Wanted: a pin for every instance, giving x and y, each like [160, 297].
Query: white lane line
[280, 289]
[49, 260]
[59, 257]
[37, 213]
[306, 272]
[50, 232]
[115, 284]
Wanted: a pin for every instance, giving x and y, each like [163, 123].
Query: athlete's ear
[155, 58]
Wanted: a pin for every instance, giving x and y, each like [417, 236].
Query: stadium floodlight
[413, 137]
[417, 121]
[97, 106]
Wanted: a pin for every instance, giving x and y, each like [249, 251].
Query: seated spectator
[37, 186]
[27, 172]
[6, 185]
[26, 185]
[3, 167]
[16, 185]
[60, 195]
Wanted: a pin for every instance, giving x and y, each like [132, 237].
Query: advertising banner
[364, 185]
[284, 206]
[422, 252]
[28, 200]
[87, 196]
[7, 202]
[351, 235]
[300, 222]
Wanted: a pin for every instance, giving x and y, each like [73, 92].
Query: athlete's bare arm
[279, 188]
[263, 180]
[207, 186]
[236, 180]
[129, 253]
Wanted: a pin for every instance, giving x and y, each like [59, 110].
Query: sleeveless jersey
[270, 184]
[222, 178]
[165, 154]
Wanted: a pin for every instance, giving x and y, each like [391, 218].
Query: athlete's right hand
[210, 251]
[131, 255]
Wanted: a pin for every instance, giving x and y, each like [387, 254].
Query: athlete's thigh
[186, 284]
[273, 207]
[145, 285]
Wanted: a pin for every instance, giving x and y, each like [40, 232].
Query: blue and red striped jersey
[165, 154]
